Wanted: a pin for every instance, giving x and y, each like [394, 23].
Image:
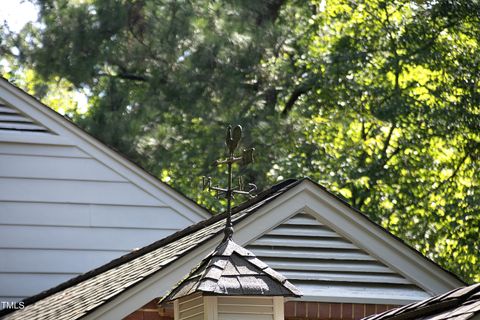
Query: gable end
[316, 258]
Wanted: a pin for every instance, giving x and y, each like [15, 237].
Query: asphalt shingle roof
[459, 304]
[233, 270]
[81, 295]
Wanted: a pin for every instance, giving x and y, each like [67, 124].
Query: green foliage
[377, 100]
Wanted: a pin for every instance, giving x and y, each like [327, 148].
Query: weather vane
[232, 140]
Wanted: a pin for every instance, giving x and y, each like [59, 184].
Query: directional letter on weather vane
[232, 140]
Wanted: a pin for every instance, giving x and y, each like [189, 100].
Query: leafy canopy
[377, 100]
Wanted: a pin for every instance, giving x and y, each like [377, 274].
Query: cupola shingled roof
[233, 270]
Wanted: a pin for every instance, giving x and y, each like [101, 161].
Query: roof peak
[231, 270]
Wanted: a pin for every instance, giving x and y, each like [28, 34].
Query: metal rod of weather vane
[228, 224]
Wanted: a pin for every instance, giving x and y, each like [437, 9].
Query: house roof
[83, 295]
[33, 116]
[233, 270]
[458, 304]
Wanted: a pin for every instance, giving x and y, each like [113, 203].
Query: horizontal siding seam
[172, 230]
[66, 179]
[91, 203]
[43, 155]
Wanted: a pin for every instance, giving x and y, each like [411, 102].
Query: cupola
[231, 283]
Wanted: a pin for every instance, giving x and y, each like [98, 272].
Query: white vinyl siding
[199, 307]
[190, 308]
[251, 308]
[63, 211]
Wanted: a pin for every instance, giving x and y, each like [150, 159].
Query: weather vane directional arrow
[232, 140]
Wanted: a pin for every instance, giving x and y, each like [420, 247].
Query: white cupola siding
[231, 283]
[68, 203]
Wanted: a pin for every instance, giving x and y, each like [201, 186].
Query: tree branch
[386, 144]
[126, 76]
[134, 77]
[454, 173]
[293, 98]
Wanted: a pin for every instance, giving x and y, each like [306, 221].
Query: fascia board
[270, 215]
[64, 128]
[382, 300]
[378, 242]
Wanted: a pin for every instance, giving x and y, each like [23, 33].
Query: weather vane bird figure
[232, 141]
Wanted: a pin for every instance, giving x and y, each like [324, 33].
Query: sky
[17, 13]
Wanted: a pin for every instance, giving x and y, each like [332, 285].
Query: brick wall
[294, 310]
[151, 311]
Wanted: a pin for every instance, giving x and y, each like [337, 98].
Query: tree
[377, 100]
